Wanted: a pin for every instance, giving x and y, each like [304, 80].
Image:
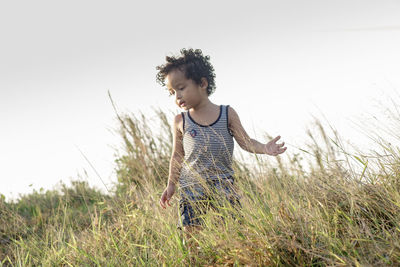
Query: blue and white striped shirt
[208, 150]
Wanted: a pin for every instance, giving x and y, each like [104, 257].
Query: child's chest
[210, 140]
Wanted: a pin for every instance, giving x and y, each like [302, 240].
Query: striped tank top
[208, 150]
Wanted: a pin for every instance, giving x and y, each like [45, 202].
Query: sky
[277, 63]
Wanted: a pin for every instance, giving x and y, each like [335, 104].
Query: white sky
[277, 63]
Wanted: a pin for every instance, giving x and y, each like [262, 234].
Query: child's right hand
[167, 195]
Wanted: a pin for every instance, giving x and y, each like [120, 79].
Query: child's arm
[249, 144]
[177, 151]
[175, 164]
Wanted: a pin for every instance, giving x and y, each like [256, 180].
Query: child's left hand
[274, 149]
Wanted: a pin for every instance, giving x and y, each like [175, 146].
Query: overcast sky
[277, 63]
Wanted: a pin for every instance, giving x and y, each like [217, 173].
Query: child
[202, 137]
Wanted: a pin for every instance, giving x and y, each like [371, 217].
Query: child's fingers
[162, 204]
[281, 150]
[276, 138]
[162, 200]
[165, 199]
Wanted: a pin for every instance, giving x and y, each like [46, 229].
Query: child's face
[188, 93]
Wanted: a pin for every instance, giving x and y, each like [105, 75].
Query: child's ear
[204, 83]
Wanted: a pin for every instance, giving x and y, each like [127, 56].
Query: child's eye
[171, 93]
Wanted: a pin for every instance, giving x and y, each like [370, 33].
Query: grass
[327, 213]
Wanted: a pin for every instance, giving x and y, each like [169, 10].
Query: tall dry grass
[326, 214]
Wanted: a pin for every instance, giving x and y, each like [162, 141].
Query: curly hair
[194, 65]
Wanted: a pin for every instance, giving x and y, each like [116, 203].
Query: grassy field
[295, 212]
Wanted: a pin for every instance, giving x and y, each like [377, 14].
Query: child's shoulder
[232, 115]
[229, 107]
[178, 117]
[178, 122]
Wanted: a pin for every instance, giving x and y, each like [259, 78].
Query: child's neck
[203, 106]
[206, 113]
